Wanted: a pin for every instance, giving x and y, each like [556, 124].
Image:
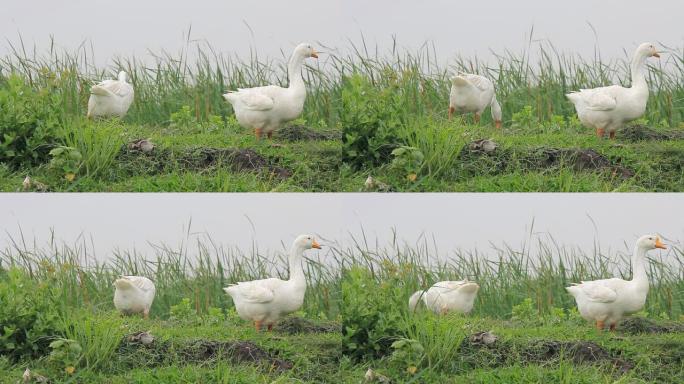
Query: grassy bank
[381, 101]
[199, 338]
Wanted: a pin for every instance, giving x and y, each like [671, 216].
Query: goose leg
[477, 119]
[257, 325]
[451, 112]
[257, 132]
[498, 124]
[611, 134]
[600, 132]
[270, 327]
[612, 327]
[269, 134]
[146, 314]
[600, 324]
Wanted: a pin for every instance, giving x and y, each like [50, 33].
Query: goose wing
[256, 99]
[601, 291]
[142, 283]
[599, 99]
[479, 82]
[258, 291]
[114, 87]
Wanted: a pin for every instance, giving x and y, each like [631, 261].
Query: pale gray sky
[465, 221]
[127, 27]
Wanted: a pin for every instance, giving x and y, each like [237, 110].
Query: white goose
[608, 301]
[447, 296]
[266, 301]
[265, 109]
[473, 93]
[110, 98]
[134, 294]
[609, 108]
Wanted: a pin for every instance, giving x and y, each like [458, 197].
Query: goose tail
[414, 300]
[459, 81]
[470, 287]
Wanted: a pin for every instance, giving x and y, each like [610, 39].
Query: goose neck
[295, 262]
[637, 69]
[639, 266]
[294, 70]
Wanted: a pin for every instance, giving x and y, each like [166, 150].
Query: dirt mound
[476, 351]
[636, 325]
[302, 133]
[236, 351]
[579, 159]
[485, 156]
[293, 325]
[136, 353]
[159, 160]
[635, 133]
[580, 352]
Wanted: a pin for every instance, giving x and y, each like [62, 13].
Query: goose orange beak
[659, 244]
[656, 54]
[315, 245]
[314, 54]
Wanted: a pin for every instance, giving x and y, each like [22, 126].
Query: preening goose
[264, 109]
[266, 301]
[608, 301]
[110, 98]
[609, 108]
[134, 294]
[447, 296]
[473, 93]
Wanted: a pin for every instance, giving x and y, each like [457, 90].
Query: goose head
[649, 242]
[647, 50]
[123, 76]
[305, 242]
[306, 50]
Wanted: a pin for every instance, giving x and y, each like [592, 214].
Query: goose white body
[607, 301]
[447, 296]
[606, 109]
[473, 94]
[110, 98]
[266, 301]
[265, 109]
[134, 294]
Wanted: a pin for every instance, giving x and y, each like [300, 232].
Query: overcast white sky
[465, 221]
[127, 27]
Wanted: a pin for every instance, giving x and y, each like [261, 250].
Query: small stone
[483, 145]
[369, 184]
[486, 338]
[143, 145]
[372, 377]
[144, 338]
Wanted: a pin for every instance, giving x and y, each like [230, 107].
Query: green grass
[538, 271]
[179, 106]
[316, 357]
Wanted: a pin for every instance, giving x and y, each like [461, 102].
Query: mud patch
[160, 160]
[159, 353]
[579, 352]
[292, 325]
[639, 132]
[579, 159]
[235, 351]
[302, 133]
[486, 157]
[638, 325]
[500, 353]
